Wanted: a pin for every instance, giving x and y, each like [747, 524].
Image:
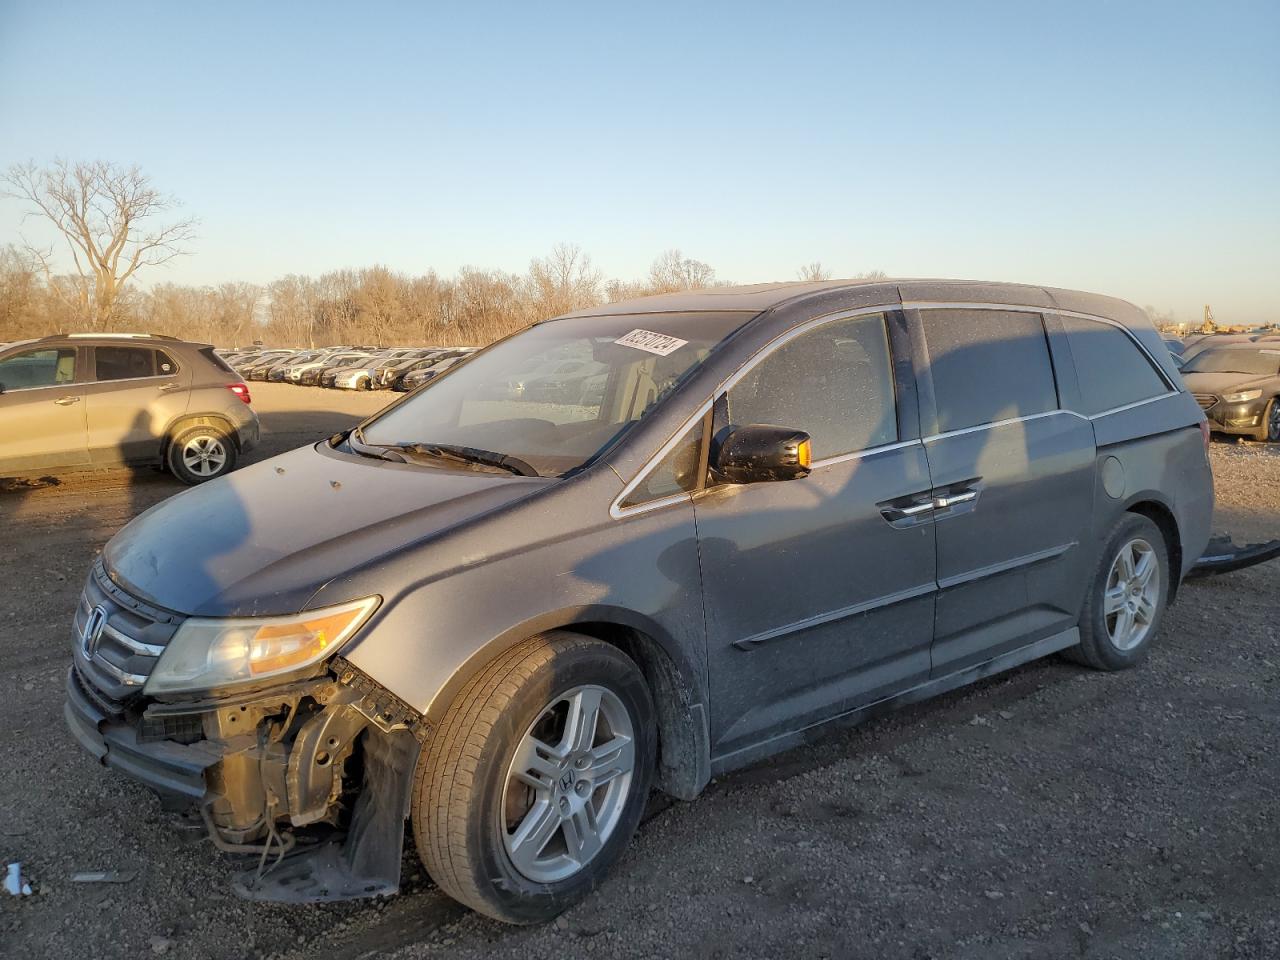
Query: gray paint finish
[777, 605]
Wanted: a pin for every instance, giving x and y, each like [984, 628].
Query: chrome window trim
[65, 385]
[619, 512]
[154, 376]
[864, 453]
[976, 428]
[1130, 406]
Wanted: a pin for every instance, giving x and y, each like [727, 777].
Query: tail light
[241, 390]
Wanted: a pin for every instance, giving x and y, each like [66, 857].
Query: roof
[758, 297]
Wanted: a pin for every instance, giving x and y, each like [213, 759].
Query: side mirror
[758, 453]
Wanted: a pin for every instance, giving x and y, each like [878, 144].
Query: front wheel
[536, 777]
[1127, 597]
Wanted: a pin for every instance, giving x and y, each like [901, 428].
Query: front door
[819, 592]
[1013, 478]
[42, 410]
[135, 393]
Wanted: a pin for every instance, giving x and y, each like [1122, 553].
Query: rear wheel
[201, 453]
[1127, 598]
[536, 778]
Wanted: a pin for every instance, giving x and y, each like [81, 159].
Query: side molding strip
[753, 641]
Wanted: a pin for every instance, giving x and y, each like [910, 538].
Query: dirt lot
[1050, 812]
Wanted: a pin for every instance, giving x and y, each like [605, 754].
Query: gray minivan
[505, 617]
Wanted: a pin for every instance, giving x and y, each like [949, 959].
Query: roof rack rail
[115, 336]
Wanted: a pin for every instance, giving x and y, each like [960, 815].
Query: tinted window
[123, 363]
[38, 368]
[677, 473]
[1110, 368]
[834, 382]
[217, 361]
[988, 365]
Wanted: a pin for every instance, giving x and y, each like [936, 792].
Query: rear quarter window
[216, 360]
[1111, 369]
[987, 366]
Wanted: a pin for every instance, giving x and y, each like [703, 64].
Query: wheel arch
[188, 420]
[1162, 516]
[684, 741]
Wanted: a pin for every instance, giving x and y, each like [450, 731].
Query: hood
[1219, 383]
[263, 539]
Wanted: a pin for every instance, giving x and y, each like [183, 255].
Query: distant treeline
[372, 305]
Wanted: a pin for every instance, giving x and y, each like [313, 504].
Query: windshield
[1260, 363]
[557, 394]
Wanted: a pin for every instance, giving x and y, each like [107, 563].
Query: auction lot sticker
[647, 340]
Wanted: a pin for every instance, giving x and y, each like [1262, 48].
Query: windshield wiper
[403, 452]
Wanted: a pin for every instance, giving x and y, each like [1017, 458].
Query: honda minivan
[505, 617]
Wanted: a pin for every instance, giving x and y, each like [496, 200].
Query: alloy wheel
[568, 784]
[1132, 594]
[204, 455]
[1273, 422]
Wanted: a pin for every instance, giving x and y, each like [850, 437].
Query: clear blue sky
[1129, 148]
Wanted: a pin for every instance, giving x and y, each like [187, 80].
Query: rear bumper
[170, 769]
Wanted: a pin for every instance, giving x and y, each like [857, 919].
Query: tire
[469, 810]
[201, 453]
[1104, 642]
[1269, 429]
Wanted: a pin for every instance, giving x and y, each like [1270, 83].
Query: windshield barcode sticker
[658, 343]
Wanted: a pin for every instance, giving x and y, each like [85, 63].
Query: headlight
[1242, 396]
[207, 652]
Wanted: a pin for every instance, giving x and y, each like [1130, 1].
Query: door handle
[907, 511]
[166, 387]
[66, 401]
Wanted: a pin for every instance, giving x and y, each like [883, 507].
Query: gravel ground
[1049, 812]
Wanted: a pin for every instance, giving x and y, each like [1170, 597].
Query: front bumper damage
[1236, 418]
[330, 757]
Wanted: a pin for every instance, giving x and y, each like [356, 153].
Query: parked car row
[346, 367]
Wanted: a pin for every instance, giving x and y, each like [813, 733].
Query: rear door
[42, 410]
[819, 592]
[1012, 477]
[135, 393]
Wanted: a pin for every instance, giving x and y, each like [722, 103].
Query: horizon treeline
[373, 305]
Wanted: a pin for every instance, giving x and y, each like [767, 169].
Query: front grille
[1206, 400]
[132, 635]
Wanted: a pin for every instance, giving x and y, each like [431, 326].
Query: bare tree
[813, 271]
[674, 271]
[112, 220]
[563, 281]
[871, 275]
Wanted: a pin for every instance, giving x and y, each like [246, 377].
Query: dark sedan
[1236, 385]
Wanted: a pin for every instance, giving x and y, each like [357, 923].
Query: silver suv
[87, 400]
